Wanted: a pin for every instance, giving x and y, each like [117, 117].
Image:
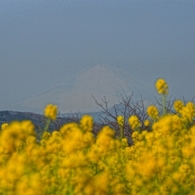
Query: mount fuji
[76, 94]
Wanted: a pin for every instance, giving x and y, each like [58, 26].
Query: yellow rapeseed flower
[191, 109]
[75, 161]
[152, 112]
[86, 123]
[125, 142]
[146, 123]
[120, 120]
[188, 112]
[134, 122]
[135, 136]
[4, 126]
[51, 111]
[178, 105]
[162, 86]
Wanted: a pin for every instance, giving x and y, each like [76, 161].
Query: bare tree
[74, 117]
[127, 108]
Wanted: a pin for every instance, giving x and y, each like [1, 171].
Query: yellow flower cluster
[134, 122]
[72, 160]
[152, 112]
[4, 126]
[120, 120]
[178, 105]
[164, 159]
[186, 111]
[68, 161]
[51, 111]
[146, 123]
[161, 86]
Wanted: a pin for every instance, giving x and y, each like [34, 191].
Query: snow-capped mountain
[76, 95]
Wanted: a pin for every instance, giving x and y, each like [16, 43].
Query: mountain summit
[76, 95]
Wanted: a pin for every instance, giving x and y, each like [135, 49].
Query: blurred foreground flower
[146, 123]
[86, 123]
[4, 126]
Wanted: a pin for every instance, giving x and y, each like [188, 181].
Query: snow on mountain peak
[97, 81]
[100, 78]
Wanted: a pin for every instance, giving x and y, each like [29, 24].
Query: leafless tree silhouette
[127, 108]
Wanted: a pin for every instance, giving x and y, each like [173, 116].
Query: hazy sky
[43, 42]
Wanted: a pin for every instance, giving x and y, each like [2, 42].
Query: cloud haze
[46, 42]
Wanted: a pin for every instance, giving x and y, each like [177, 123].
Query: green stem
[121, 133]
[46, 126]
[164, 104]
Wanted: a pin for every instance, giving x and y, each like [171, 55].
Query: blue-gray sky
[43, 42]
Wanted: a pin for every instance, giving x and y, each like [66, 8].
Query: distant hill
[97, 116]
[37, 119]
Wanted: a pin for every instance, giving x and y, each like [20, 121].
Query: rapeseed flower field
[72, 161]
